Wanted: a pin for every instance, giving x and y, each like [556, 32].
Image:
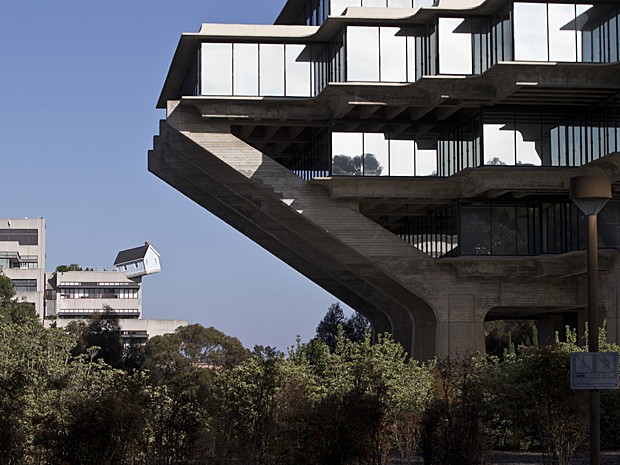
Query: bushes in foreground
[198, 397]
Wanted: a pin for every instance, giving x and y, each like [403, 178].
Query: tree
[344, 165]
[355, 327]
[71, 267]
[103, 331]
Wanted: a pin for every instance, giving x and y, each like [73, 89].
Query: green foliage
[505, 335]
[71, 267]
[101, 333]
[454, 429]
[198, 397]
[352, 166]
[355, 327]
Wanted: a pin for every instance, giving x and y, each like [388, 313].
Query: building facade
[62, 297]
[411, 157]
[22, 258]
[77, 295]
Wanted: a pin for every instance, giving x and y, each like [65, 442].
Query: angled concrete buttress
[429, 193]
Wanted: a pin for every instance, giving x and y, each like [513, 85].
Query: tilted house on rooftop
[138, 262]
[411, 157]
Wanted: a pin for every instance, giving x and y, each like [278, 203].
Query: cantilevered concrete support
[434, 307]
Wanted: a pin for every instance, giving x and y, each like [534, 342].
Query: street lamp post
[590, 194]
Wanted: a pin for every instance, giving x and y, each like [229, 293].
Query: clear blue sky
[79, 81]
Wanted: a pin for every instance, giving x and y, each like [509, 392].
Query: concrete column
[460, 330]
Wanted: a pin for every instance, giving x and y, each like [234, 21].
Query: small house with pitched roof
[139, 261]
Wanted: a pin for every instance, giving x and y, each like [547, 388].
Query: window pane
[297, 72]
[338, 6]
[530, 22]
[400, 3]
[503, 230]
[499, 145]
[375, 3]
[347, 150]
[393, 55]
[476, 230]
[272, 69]
[411, 58]
[425, 161]
[363, 53]
[245, 77]
[528, 140]
[375, 155]
[402, 158]
[455, 55]
[216, 69]
[562, 35]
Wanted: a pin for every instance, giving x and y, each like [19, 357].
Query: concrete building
[78, 295]
[413, 158]
[22, 258]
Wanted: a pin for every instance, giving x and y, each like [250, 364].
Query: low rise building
[60, 297]
[22, 258]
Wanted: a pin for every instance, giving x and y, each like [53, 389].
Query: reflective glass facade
[241, 69]
[315, 12]
[380, 154]
[521, 31]
[509, 229]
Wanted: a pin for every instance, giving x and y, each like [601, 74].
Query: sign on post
[594, 370]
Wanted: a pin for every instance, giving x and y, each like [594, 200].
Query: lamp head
[590, 193]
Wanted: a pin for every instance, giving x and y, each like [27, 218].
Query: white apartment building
[22, 258]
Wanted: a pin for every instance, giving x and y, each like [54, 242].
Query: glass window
[374, 3]
[499, 145]
[363, 53]
[528, 140]
[245, 70]
[297, 72]
[425, 161]
[476, 230]
[410, 58]
[375, 155]
[338, 6]
[393, 52]
[216, 69]
[271, 69]
[347, 149]
[562, 34]
[503, 230]
[455, 49]
[400, 3]
[530, 31]
[402, 157]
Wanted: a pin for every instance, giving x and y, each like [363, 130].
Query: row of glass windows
[255, 70]
[565, 32]
[11, 263]
[315, 12]
[24, 285]
[378, 154]
[490, 138]
[529, 140]
[21, 236]
[509, 229]
[110, 293]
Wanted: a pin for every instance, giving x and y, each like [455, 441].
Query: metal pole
[595, 427]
